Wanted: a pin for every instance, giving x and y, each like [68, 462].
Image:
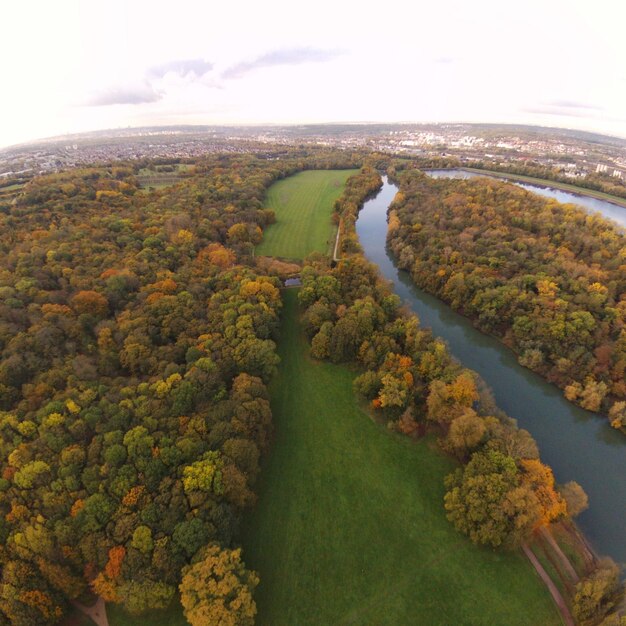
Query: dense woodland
[136, 342]
[547, 278]
[137, 337]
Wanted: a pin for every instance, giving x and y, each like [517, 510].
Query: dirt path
[97, 612]
[337, 243]
[590, 556]
[568, 620]
[565, 562]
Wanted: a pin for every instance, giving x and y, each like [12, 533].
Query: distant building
[618, 174]
[601, 168]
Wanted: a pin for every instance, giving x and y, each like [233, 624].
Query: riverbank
[582, 191]
[573, 441]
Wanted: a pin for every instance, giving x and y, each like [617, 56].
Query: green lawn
[303, 204]
[173, 616]
[77, 618]
[350, 526]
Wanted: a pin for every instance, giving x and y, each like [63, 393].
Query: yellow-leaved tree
[217, 589]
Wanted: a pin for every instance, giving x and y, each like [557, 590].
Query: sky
[70, 66]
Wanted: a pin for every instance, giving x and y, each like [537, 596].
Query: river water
[577, 444]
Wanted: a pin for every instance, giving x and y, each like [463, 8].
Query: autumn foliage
[547, 278]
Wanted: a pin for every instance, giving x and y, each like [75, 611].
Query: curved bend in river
[577, 444]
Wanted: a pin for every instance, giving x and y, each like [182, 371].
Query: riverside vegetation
[137, 336]
[502, 493]
[350, 525]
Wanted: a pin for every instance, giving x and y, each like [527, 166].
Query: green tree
[486, 501]
[139, 596]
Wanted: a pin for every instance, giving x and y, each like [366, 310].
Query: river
[577, 444]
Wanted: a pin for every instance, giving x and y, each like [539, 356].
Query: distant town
[574, 154]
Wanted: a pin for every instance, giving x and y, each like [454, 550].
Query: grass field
[350, 526]
[303, 204]
[77, 618]
[173, 616]
[159, 178]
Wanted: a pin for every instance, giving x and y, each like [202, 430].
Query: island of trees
[547, 278]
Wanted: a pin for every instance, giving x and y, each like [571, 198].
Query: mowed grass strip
[172, 616]
[303, 204]
[350, 526]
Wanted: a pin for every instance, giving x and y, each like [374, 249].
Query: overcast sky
[70, 66]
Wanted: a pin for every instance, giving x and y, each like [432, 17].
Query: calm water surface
[577, 444]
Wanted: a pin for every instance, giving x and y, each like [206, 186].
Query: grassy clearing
[350, 526]
[161, 170]
[543, 552]
[303, 204]
[161, 176]
[12, 188]
[172, 616]
[77, 618]
[571, 547]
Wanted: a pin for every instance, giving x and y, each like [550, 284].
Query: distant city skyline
[74, 67]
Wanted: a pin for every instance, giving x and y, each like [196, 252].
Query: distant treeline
[596, 181]
[602, 182]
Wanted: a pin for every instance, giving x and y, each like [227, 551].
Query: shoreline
[580, 191]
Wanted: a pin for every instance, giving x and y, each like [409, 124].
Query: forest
[547, 278]
[137, 340]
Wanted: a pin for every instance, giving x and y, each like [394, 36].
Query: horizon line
[65, 136]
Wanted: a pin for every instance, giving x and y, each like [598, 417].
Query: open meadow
[303, 204]
[350, 526]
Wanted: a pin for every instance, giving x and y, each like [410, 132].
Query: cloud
[572, 104]
[195, 67]
[124, 94]
[568, 108]
[290, 56]
[144, 90]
